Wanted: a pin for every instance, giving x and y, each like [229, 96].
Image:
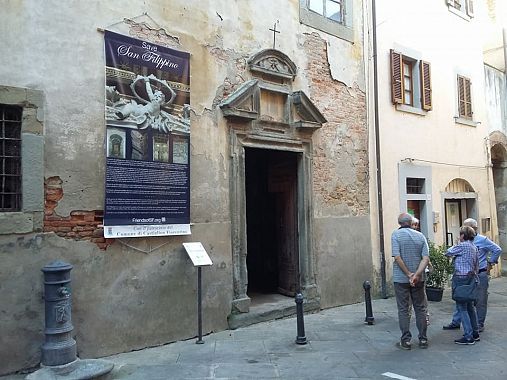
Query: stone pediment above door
[281, 107]
[268, 100]
[242, 103]
[273, 63]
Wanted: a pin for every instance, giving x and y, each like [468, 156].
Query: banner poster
[147, 139]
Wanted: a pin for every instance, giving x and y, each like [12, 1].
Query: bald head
[405, 219]
[470, 223]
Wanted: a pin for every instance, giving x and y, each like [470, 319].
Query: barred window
[415, 185]
[10, 157]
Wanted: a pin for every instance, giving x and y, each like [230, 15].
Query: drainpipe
[505, 50]
[377, 153]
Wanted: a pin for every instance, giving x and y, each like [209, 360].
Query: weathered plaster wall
[125, 299]
[496, 99]
[342, 244]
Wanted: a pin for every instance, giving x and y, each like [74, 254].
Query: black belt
[483, 270]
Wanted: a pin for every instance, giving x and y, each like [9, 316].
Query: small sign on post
[199, 258]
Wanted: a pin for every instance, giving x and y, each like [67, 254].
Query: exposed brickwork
[341, 145]
[79, 225]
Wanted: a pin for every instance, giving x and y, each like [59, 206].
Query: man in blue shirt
[489, 253]
[410, 252]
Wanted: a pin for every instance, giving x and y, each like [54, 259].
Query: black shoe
[477, 338]
[423, 343]
[404, 345]
[451, 326]
[464, 341]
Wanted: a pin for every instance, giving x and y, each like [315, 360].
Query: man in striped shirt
[410, 252]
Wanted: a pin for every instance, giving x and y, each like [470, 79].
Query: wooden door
[282, 181]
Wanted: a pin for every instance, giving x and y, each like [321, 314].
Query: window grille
[415, 185]
[10, 157]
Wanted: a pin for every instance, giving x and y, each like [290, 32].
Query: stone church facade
[279, 183]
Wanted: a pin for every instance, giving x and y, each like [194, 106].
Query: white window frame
[343, 30]
[466, 11]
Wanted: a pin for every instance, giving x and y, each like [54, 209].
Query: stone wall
[134, 293]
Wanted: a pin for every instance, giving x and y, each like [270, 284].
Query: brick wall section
[80, 225]
[341, 145]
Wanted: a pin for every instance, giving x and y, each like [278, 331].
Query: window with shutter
[462, 8]
[426, 103]
[464, 98]
[396, 77]
[410, 83]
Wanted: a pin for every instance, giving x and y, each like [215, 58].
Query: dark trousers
[407, 296]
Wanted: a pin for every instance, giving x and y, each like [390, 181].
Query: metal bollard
[301, 338]
[367, 299]
[59, 348]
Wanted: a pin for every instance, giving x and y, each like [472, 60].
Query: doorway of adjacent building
[499, 158]
[460, 203]
[453, 220]
[271, 219]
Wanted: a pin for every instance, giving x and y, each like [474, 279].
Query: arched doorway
[460, 203]
[498, 159]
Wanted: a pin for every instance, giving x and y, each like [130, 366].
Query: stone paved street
[340, 346]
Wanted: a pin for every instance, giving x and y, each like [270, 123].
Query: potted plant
[440, 272]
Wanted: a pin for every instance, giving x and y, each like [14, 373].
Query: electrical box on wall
[436, 217]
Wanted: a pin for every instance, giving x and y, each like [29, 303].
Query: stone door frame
[239, 140]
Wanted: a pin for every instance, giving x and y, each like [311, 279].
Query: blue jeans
[481, 304]
[467, 313]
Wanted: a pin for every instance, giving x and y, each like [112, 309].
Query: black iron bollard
[367, 299]
[301, 338]
[59, 347]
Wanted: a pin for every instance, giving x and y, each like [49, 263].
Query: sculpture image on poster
[147, 111]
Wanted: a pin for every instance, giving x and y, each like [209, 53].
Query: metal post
[301, 338]
[59, 347]
[367, 300]
[199, 306]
